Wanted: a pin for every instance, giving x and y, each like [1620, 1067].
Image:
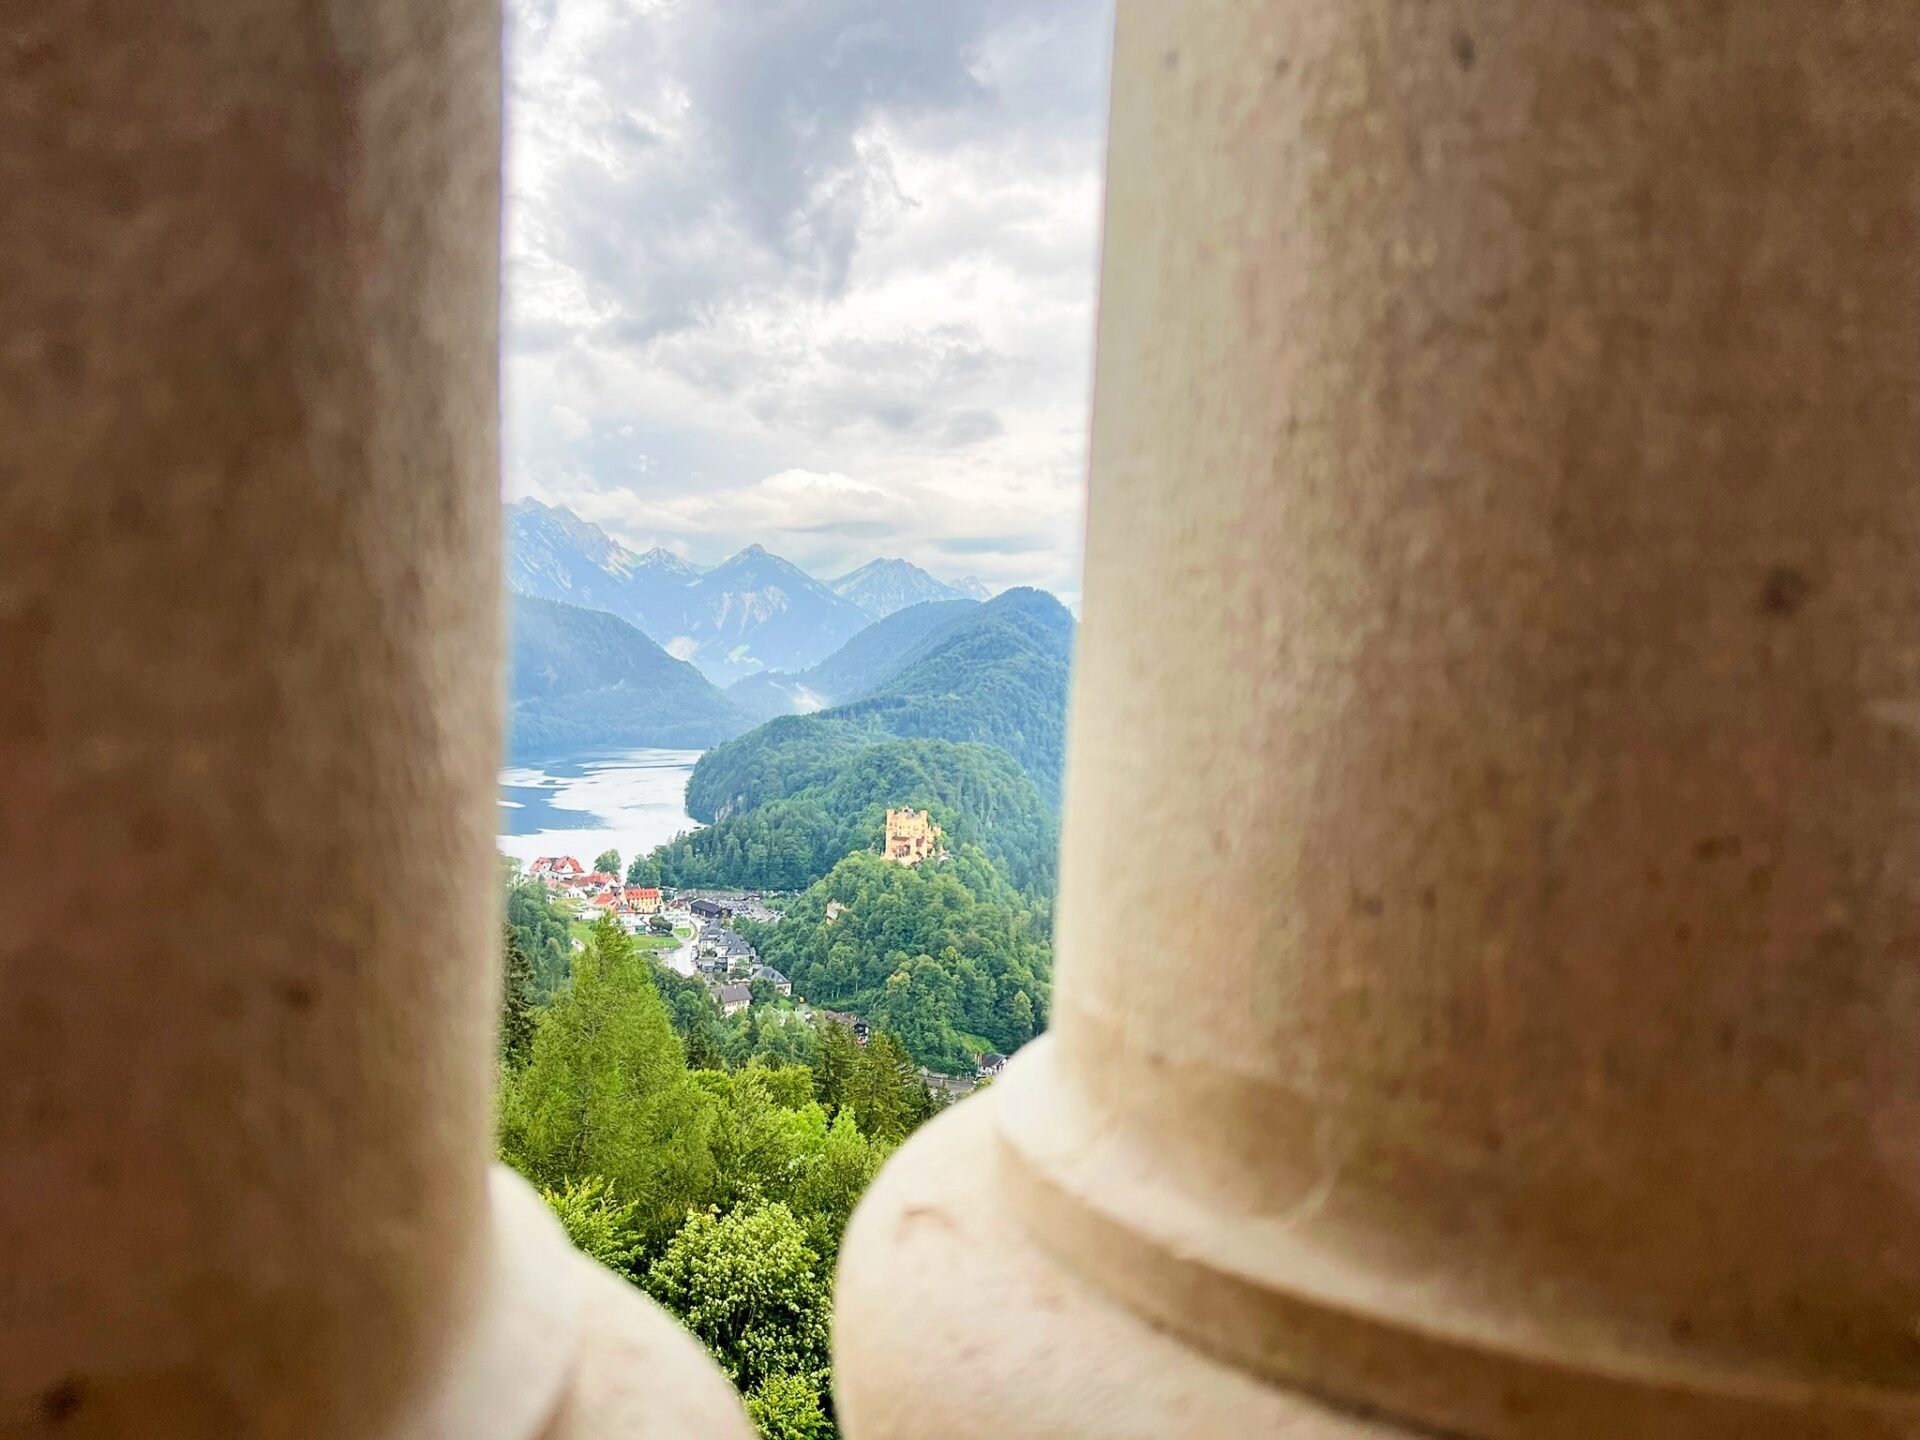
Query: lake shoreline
[582, 804]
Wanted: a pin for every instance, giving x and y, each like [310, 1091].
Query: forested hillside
[998, 676]
[833, 800]
[582, 679]
[949, 957]
[781, 757]
[857, 668]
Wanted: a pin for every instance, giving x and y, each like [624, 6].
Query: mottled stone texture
[249, 713]
[1500, 655]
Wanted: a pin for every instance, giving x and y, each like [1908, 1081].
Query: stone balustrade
[1500, 613]
[1503, 588]
[249, 721]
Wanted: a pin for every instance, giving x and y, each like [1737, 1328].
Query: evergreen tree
[703, 1052]
[1018, 1023]
[540, 925]
[518, 1011]
[886, 1094]
[606, 1091]
[839, 1054]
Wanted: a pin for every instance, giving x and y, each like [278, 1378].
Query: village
[711, 950]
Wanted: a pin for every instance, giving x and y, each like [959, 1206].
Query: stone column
[1489, 942]
[249, 718]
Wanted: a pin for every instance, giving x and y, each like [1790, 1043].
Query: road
[681, 961]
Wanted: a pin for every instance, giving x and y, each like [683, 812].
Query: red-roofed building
[643, 899]
[601, 880]
[606, 898]
[557, 869]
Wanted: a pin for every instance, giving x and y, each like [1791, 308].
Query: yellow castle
[911, 836]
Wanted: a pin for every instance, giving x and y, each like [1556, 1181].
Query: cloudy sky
[816, 274]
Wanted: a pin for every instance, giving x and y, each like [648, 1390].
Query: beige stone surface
[1499, 655]
[247, 619]
[249, 714]
[969, 1330]
[641, 1376]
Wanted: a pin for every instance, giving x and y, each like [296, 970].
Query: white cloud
[816, 274]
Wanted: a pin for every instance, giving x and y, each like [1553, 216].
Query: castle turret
[911, 836]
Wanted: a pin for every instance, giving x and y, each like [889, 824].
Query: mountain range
[855, 669]
[996, 675]
[964, 713]
[583, 679]
[880, 587]
[586, 672]
[754, 612]
[552, 554]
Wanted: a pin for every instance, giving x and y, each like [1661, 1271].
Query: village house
[773, 977]
[834, 911]
[991, 1064]
[642, 899]
[911, 836]
[554, 870]
[728, 945]
[733, 998]
[710, 910]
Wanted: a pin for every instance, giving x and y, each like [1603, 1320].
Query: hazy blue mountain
[774, 692]
[758, 612]
[974, 587]
[881, 587]
[754, 612]
[582, 679]
[998, 676]
[856, 669]
[553, 554]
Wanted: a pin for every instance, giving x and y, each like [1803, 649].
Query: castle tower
[911, 836]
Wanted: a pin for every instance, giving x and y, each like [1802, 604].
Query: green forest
[949, 957]
[833, 799]
[712, 1162]
[998, 677]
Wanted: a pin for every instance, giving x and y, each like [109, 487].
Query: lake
[625, 800]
